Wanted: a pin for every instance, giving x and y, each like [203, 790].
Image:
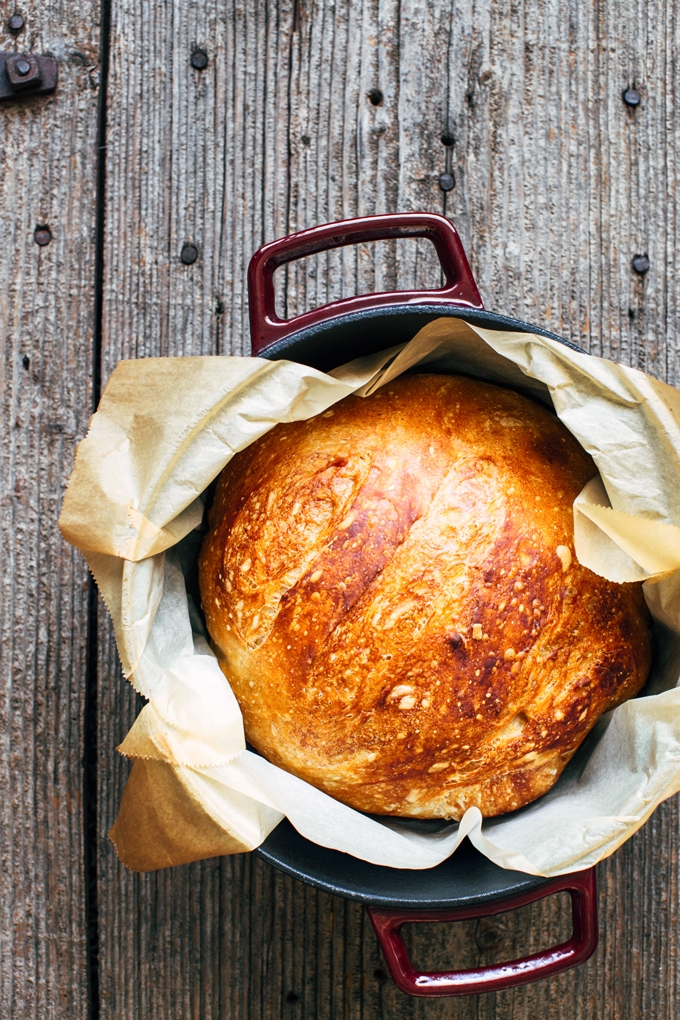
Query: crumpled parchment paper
[164, 430]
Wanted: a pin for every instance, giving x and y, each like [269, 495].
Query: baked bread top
[392, 590]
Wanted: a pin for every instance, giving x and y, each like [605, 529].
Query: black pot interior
[467, 877]
[339, 340]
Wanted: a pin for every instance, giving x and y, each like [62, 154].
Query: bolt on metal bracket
[26, 74]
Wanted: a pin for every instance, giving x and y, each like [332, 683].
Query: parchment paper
[164, 430]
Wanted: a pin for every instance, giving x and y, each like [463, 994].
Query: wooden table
[306, 112]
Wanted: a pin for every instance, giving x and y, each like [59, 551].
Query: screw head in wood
[42, 236]
[447, 181]
[189, 254]
[199, 60]
[15, 24]
[632, 97]
[641, 264]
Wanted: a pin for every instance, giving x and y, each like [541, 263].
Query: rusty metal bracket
[26, 74]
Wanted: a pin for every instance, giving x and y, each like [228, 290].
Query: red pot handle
[265, 325]
[581, 945]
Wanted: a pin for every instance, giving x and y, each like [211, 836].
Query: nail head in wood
[15, 24]
[631, 97]
[199, 60]
[42, 236]
[189, 254]
[641, 264]
[447, 182]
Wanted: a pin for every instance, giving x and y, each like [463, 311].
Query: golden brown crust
[393, 588]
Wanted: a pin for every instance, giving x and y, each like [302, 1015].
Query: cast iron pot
[467, 885]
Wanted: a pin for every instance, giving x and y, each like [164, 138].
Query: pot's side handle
[581, 945]
[267, 328]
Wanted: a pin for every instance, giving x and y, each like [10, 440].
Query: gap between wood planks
[91, 672]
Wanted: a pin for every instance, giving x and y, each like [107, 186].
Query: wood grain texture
[558, 186]
[47, 176]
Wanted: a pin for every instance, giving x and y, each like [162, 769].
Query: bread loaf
[393, 593]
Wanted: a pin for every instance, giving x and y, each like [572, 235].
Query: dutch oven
[466, 885]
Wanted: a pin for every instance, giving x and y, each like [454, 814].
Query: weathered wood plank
[47, 176]
[189, 162]
[558, 185]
